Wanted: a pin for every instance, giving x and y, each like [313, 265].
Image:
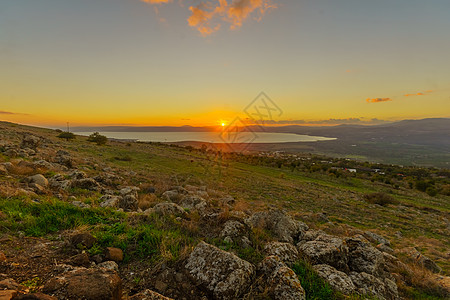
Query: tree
[98, 138]
[66, 135]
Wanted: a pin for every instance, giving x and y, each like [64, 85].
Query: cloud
[208, 16]
[240, 10]
[376, 100]
[2, 112]
[363, 121]
[419, 94]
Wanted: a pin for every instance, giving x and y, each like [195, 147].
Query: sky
[192, 62]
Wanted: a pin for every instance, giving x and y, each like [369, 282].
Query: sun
[223, 124]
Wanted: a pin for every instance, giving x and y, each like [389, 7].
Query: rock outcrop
[221, 273]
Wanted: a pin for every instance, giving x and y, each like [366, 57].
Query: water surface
[212, 137]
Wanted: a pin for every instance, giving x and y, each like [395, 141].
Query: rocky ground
[165, 239]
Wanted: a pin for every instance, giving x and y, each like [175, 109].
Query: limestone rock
[193, 202]
[165, 209]
[338, 280]
[326, 249]
[37, 179]
[278, 281]
[285, 251]
[223, 274]
[367, 284]
[363, 257]
[89, 284]
[128, 203]
[237, 232]
[284, 227]
[109, 201]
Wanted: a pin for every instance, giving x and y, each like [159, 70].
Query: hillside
[423, 142]
[132, 220]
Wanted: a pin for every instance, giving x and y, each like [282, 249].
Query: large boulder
[366, 284]
[363, 257]
[89, 284]
[222, 274]
[37, 179]
[276, 281]
[326, 249]
[338, 280]
[282, 225]
[166, 209]
[285, 251]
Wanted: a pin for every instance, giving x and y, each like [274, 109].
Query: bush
[66, 135]
[431, 191]
[380, 199]
[98, 138]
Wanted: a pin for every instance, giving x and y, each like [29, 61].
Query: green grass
[315, 287]
[151, 237]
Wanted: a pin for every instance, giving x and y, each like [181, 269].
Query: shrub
[98, 138]
[380, 199]
[66, 135]
[431, 191]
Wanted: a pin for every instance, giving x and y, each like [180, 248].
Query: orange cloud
[203, 15]
[376, 100]
[241, 10]
[419, 94]
[208, 16]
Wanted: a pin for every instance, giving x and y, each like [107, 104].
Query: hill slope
[156, 202]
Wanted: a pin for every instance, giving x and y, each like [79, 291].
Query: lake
[212, 137]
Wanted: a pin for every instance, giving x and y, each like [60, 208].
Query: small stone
[109, 265]
[8, 294]
[81, 259]
[114, 254]
[83, 240]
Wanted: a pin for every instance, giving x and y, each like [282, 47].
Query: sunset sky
[163, 62]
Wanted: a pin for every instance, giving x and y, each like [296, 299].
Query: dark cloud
[2, 112]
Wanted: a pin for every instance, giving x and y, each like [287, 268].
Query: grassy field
[415, 219]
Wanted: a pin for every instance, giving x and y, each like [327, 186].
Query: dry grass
[242, 205]
[147, 200]
[413, 275]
